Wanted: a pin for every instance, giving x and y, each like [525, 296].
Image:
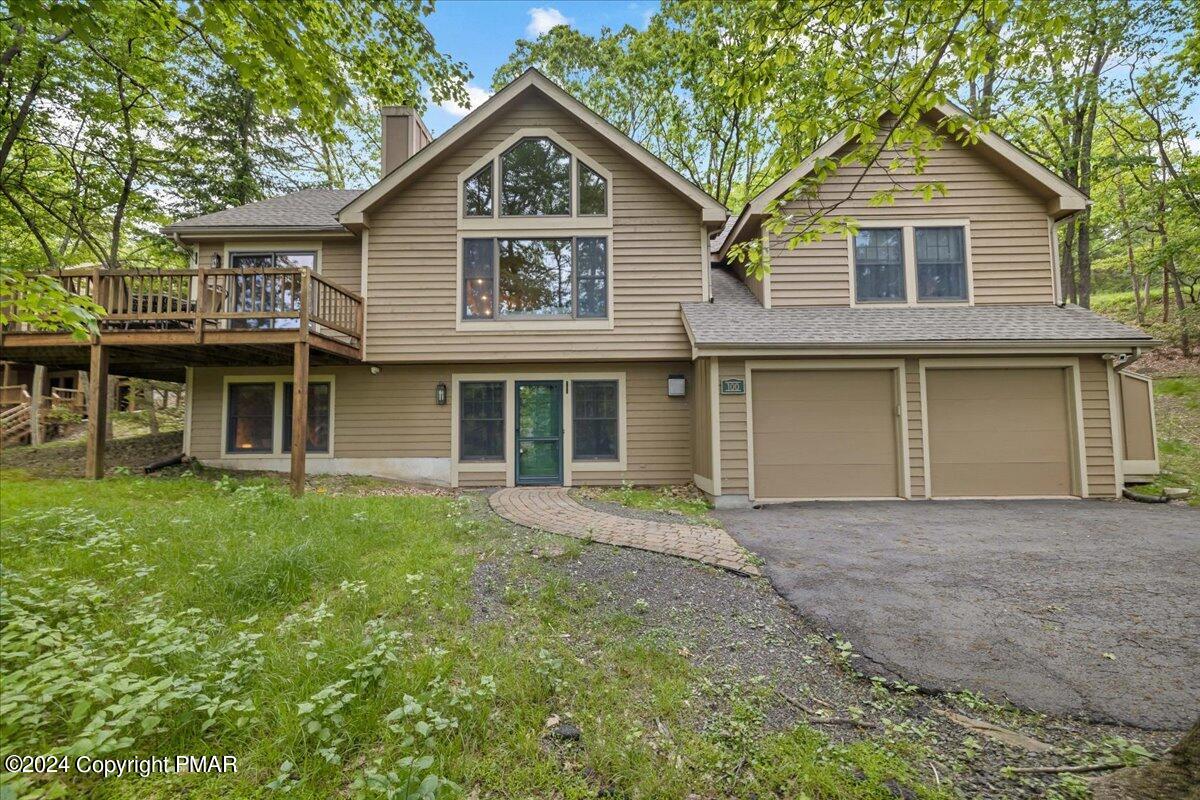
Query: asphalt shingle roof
[307, 208]
[736, 318]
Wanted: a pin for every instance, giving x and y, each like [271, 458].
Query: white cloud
[541, 20]
[475, 96]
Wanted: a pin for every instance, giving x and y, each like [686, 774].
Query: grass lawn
[1177, 412]
[330, 644]
[694, 508]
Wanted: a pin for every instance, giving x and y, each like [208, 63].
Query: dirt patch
[1167, 362]
[65, 458]
[740, 633]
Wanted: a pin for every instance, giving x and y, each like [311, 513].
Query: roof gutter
[917, 347]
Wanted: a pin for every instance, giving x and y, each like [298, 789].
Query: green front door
[539, 433]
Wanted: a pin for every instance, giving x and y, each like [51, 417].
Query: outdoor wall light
[215, 261]
[376, 370]
[439, 394]
[676, 386]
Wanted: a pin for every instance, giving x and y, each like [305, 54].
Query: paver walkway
[552, 509]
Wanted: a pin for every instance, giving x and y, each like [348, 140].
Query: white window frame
[909, 254]
[277, 423]
[570, 466]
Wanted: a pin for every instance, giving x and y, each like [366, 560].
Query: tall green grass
[329, 644]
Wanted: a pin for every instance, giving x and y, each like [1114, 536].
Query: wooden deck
[157, 322]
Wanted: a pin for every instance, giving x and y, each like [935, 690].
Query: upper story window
[477, 193]
[911, 264]
[536, 177]
[535, 278]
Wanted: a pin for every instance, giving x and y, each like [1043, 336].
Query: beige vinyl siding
[390, 415]
[341, 262]
[656, 261]
[701, 394]
[1009, 239]
[916, 441]
[394, 415]
[734, 464]
[1137, 419]
[1097, 427]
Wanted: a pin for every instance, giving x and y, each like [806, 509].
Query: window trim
[499, 323]
[458, 401]
[277, 421]
[571, 466]
[909, 253]
[574, 431]
[573, 221]
[258, 248]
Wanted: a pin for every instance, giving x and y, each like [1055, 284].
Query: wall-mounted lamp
[676, 386]
[215, 261]
[376, 370]
[439, 394]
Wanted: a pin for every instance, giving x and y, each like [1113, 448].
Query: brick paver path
[552, 509]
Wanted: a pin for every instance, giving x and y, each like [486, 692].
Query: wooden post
[37, 406]
[97, 411]
[299, 415]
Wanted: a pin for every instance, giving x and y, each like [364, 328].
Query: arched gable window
[535, 177]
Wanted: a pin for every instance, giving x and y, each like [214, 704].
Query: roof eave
[915, 345]
[712, 212]
[210, 231]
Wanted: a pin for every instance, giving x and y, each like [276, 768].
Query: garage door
[998, 432]
[825, 433]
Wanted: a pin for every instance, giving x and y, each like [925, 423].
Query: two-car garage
[840, 429]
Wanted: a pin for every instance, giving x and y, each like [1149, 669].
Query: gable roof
[712, 212]
[736, 320]
[1063, 198]
[308, 210]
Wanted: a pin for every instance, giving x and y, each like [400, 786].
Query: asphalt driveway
[1080, 607]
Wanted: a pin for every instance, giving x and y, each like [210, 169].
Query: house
[533, 298]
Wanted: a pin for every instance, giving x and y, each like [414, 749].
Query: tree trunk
[1084, 259]
[1127, 234]
[1175, 777]
[1067, 264]
[151, 409]
[110, 406]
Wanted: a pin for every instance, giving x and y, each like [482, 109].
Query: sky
[482, 34]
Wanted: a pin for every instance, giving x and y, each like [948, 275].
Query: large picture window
[319, 408]
[595, 411]
[481, 421]
[250, 418]
[535, 278]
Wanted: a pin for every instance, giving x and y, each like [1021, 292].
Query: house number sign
[733, 386]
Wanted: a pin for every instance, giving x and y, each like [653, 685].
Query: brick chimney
[403, 135]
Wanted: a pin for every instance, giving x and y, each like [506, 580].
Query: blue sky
[482, 33]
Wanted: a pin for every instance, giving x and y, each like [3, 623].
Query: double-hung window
[535, 278]
[481, 421]
[910, 264]
[595, 419]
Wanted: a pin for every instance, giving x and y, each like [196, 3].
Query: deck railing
[287, 298]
